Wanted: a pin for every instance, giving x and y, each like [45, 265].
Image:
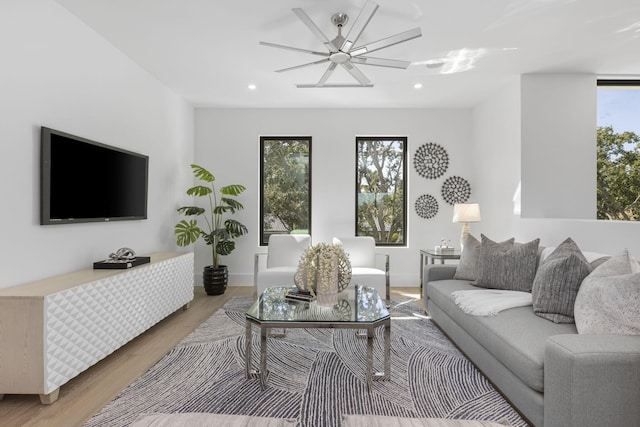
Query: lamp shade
[466, 212]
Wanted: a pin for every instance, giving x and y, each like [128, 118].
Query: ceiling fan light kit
[341, 50]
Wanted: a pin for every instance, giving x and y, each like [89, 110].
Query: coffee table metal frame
[370, 326]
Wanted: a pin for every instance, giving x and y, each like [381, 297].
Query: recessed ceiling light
[252, 87]
[417, 86]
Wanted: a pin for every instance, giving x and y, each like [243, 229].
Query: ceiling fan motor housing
[339, 19]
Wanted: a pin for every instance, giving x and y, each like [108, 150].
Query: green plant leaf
[225, 247]
[221, 234]
[233, 190]
[202, 174]
[221, 209]
[191, 210]
[208, 238]
[187, 232]
[221, 239]
[233, 204]
[235, 228]
[199, 190]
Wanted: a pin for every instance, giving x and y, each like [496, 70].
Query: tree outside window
[381, 189]
[285, 178]
[618, 150]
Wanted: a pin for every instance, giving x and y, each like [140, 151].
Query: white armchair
[282, 256]
[367, 269]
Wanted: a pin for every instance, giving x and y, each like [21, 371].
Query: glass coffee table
[357, 307]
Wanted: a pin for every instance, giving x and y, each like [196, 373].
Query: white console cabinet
[53, 329]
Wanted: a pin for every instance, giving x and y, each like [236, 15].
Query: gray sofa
[551, 374]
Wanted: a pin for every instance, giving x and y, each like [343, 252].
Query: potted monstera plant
[213, 225]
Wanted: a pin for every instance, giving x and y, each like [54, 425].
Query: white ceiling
[208, 51]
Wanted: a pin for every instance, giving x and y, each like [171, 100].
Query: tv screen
[86, 181]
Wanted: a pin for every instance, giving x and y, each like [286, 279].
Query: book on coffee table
[298, 295]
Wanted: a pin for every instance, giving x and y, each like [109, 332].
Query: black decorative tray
[121, 264]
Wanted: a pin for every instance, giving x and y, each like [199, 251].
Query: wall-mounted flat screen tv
[87, 181]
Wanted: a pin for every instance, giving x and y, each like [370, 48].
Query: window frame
[405, 178]
[622, 84]
[264, 240]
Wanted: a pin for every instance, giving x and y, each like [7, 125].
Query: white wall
[558, 146]
[57, 72]
[496, 153]
[498, 137]
[227, 142]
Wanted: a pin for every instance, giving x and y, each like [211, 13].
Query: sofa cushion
[608, 301]
[557, 282]
[515, 337]
[507, 266]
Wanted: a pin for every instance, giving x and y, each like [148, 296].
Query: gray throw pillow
[509, 267]
[467, 268]
[557, 281]
[608, 301]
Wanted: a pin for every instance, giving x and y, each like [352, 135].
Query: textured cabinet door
[68, 323]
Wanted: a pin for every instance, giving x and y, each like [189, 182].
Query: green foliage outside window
[618, 175]
[286, 186]
[380, 189]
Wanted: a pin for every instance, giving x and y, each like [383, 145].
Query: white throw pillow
[608, 301]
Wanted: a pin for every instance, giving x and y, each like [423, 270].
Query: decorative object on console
[324, 270]
[608, 300]
[123, 254]
[465, 213]
[456, 190]
[121, 259]
[431, 160]
[507, 265]
[220, 232]
[426, 206]
[444, 248]
[557, 281]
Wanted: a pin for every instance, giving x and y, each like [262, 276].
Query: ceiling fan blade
[337, 85]
[296, 49]
[302, 66]
[386, 42]
[325, 76]
[356, 73]
[380, 62]
[367, 12]
[314, 29]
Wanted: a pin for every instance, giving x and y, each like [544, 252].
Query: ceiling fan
[343, 51]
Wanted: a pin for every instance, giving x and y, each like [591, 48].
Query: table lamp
[465, 213]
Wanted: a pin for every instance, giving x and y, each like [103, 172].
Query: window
[285, 183]
[381, 188]
[618, 150]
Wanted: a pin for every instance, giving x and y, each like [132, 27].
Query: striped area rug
[316, 375]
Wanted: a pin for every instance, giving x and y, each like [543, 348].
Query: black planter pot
[215, 279]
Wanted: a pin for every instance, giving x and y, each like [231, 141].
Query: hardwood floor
[90, 391]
